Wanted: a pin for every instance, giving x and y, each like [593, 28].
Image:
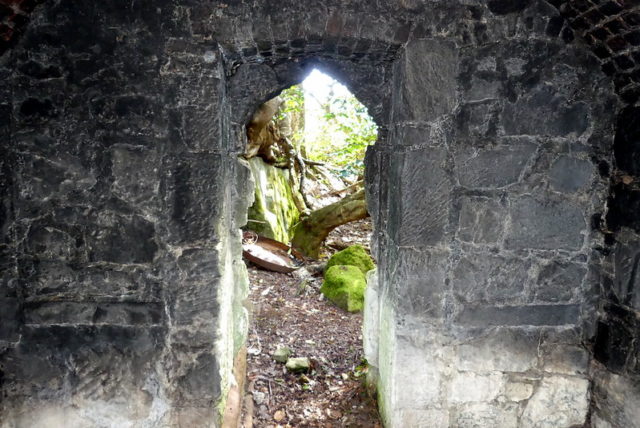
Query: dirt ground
[287, 311]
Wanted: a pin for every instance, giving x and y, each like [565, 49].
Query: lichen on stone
[344, 286]
[354, 255]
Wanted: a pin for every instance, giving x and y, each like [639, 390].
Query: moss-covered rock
[354, 255]
[344, 286]
[274, 211]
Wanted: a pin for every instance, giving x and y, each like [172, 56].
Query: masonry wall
[118, 224]
[488, 286]
[121, 283]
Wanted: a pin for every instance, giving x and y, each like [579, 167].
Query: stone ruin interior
[503, 187]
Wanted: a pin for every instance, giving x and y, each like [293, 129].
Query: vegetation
[345, 133]
[344, 286]
[341, 132]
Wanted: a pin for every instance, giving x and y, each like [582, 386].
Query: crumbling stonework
[503, 190]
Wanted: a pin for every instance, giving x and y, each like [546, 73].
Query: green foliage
[348, 131]
[354, 255]
[346, 128]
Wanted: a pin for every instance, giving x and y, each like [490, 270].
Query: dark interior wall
[113, 218]
[119, 135]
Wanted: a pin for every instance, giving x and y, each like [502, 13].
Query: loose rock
[298, 365]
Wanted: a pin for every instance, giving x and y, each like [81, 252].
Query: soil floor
[288, 311]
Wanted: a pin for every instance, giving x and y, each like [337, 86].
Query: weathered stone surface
[558, 402]
[481, 277]
[430, 65]
[471, 387]
[481, 220]
[504, 350]
[420, 221]
[519, 315]
[559, 281]
[545, 223]
[296, 365]
[492, 167]
[121, 199]
[570, 175]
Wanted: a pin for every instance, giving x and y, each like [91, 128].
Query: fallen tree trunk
[310, 232]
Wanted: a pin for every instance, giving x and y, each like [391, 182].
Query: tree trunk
[311, 232]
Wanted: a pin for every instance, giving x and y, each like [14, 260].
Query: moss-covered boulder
[344, 286]
[274, 211]
[354, 255]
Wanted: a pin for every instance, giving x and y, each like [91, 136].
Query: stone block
[558, 402]
[58, 280]
[626, 258]
[426, 83]
[201, 383]
[471, 387]
[616, 398]
[518, 391]
[418, 375]
[564, 359]
[481, 415]
[90, 313]
[481, 220]
[419, 280]
[505, 350]
[478, 120]
[545, 223]
[420, 203]
[136, 177]
[194, 198]
[535, 315]
[543, 111]
[570, 175]
[121, 239]
[10, 319]
[484, 277]
[492, 167]
[559, 281]
[420, 418]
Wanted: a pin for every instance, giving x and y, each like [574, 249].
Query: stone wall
[121, 283]
[121, 276]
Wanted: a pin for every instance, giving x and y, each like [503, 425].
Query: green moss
[344, 286]
[354, 255]
[274, 211]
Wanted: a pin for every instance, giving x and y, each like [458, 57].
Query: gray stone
[558, 402]
[299, 364]
[559, 281]
[519, 315]
[545, 223]
[492, 167]
[420, 221]
[426, 81]
[282, 354]
[481, 277]
[570, 175]
[481, 220]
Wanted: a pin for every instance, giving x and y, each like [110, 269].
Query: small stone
[259, 397]
[334, 414]
[282, 354]
[298, 364]
[278, 416]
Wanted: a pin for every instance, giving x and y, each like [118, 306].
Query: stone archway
[122, 129]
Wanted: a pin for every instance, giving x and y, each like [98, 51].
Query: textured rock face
[273, 212]
[121, 284]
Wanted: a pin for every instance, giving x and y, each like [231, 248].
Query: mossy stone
[354, 255]
[274, 211]
[344, 286]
